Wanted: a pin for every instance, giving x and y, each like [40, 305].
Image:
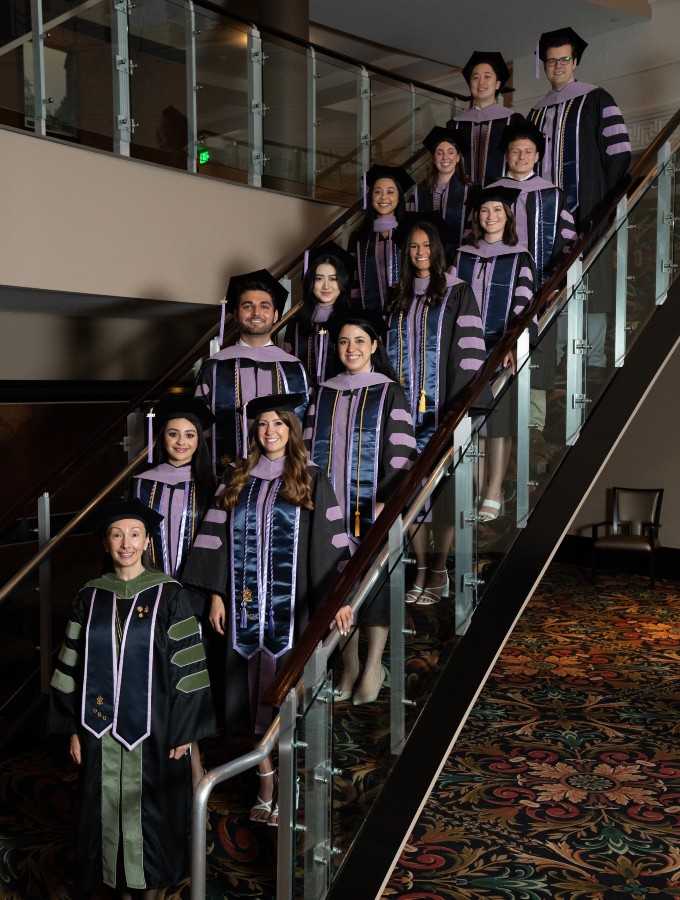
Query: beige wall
[73, 219]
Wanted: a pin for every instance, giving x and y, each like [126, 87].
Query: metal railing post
[45, 589]
[523, 406]
[312, 121]
[364, 124]
[621, 282]
[123, 123]
[577, 294]
[397, 633]
[664, 224]
[192, 88]
[256, 108]
[286, 798]
[40, 101]
[466, 522]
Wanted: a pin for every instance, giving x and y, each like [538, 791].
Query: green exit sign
[203, 155]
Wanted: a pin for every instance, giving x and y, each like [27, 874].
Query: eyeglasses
[551, 63]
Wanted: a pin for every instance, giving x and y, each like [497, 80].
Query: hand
[218, 613]
[343, 620]
[74, 750]
[510, 359]
[379, 507]
[179, 752]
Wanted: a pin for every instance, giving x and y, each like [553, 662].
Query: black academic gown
[134, 804]
[216, 564]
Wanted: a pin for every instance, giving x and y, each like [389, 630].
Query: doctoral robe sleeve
[310, 418]
[207, 564]
[398, 443]
[355, 287]
[328, 542]
[66, 685]
[466, 350]
[612, 139]
[191, 706]
[565, 234]
[526, 284]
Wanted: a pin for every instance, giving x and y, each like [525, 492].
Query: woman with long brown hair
[267, 553]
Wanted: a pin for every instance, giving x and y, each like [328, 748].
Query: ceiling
[443, 33]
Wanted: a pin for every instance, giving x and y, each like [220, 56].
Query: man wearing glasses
[587, 146]
[587, 152]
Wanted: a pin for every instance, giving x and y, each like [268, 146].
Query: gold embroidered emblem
[225, 460]
[247, 595]
[100, 700]
[142, 611]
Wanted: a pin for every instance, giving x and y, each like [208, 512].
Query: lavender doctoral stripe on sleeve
[402, 439]
[208, 542]
[216, 515]
[400, 415]
[333, 513]
[615, 149]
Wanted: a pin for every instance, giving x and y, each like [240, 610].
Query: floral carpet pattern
[565, 782]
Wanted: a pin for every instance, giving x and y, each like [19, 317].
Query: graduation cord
[357, 519]
[151, 499]
[401, 350]
[271, 503]
[330, 437]
[423, 365]
[246, 593]
[560, 146]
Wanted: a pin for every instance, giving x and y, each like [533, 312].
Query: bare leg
[373, 671]
[262, 809]
[419, 542]
[197, 770]
[150, 894]
[499, 449]
[350, 667]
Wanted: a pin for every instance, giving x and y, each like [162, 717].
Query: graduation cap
[108, 513]
[261, 279]
[369, 320]
[410, 220]
[493, 58]
[518, 130]
[330, 248]
[273, 403]
[478, 196]
[559, 38]
[453, 135]
[175, 407]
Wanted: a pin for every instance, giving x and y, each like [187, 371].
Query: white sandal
[430, 596]
[261, 805]
[415, 590]
[495, 508]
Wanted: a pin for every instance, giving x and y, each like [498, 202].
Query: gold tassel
[421, 405]
[357, 524]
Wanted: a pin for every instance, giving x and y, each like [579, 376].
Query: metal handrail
[376, 536]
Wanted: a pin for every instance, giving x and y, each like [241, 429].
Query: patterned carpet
[565, 782]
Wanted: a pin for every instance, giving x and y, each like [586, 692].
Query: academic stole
[265, 530]
[414, 340]
[379, 263]
[158, 496]
[545, 224]
[499, 278]
[286, 377]
[362, 449]
[117, 669]
[565, 144]
[314, 349]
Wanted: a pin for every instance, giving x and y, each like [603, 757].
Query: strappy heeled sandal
[265, 806]
[430, 596]
[494, 509]
[415, 590]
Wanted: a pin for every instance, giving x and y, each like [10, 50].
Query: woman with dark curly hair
[267, 553]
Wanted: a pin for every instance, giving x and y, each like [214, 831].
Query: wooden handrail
[440, 441]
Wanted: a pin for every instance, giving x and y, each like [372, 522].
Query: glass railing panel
[158, 86]
[430, 111]
[78, 75]
[222, 97]
[285, 123]
[336, 130]
[14, 89]
[392, 137]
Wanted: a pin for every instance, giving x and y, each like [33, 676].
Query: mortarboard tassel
[222, 318]
[244, 431]
[537, 58]
[149, 436]
[272, 630]
[357, 524]
[244, 620]
[364, 184]
[305, 263]
[421, 402]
